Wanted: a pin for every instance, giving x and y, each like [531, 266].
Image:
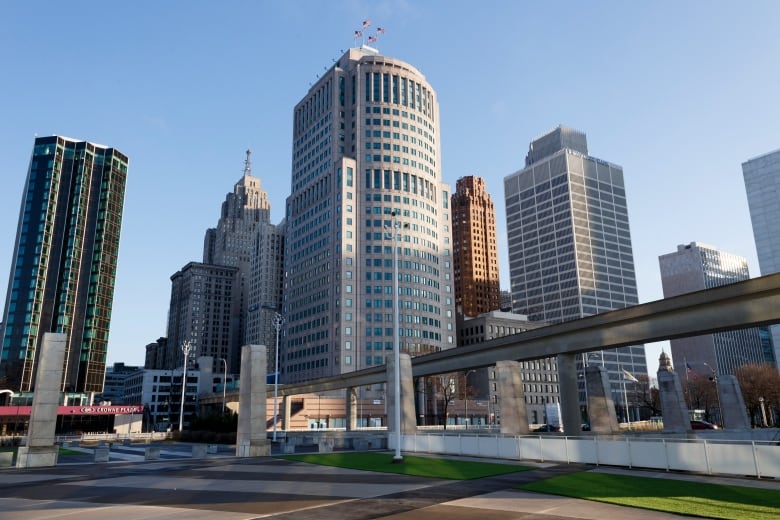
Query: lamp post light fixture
[186, 348]
[278, 320]
[224, 383]
[397, 458]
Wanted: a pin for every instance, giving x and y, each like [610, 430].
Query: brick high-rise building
[475, 251]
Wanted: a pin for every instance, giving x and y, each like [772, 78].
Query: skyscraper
[65, 257]
[694, 267]
[569, 242]
[245, 212]
[475, 248]
[366, 156]
[762, 183]
[205, 310]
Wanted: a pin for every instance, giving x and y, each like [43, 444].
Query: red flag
[366, 24]
[371, 39]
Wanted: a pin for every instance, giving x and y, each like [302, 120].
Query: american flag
[380, 30]
[371, 39]
[358, 34]
[366, 24]
[628, 375]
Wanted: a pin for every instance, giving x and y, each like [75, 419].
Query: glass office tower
[65, 257]
[569, 242]
[695, 267]
[762, 183]
[366, 156]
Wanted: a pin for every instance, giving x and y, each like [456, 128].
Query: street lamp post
[186, 348]
[466, 397]
[764, 424]
[714, 379]
[396, 344]
[224, 384]
[278, 320]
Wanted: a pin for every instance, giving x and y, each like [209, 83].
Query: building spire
[248, 163]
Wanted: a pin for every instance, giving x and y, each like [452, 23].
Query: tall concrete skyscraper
[65, 257]
[695, 267]
[475, 248]
[366, 157]
[762, 183]
[217, 304]
[569, 242]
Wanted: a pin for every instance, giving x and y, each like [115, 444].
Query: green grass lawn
[669, 495]
[416, 466]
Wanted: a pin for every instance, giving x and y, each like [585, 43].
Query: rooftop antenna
[248, 163]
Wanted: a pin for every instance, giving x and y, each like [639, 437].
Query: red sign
[77, 410]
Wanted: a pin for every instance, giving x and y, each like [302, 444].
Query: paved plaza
[222, 486]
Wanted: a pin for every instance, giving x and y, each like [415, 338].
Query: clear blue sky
[679, 93]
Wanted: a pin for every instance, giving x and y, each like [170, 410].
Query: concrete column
[511, 398]
[286, 412]
[571, 417]
[673, 407]
[351, 407]
[408, 419]
[732, 404]
[601, 406]
[40, 450]
[252, 437]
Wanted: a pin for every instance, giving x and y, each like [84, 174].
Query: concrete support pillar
[732, 404]
[286, 412]
[601, 406]
[252, 437]
[673, 407]
[351, 406]
[511, 398]
[40, 450]
[408, 419]
[571, 417]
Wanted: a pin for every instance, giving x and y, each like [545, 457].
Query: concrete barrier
[6, 459]
[288, 449]
[102, 454]
[198, 451]
[325, 445]
[212, 448]
[152, 453]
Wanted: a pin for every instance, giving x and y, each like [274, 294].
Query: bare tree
[449, 387]
[760, 385]
[701, 394]
[646, 395]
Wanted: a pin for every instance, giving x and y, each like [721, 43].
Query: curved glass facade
[365, 147]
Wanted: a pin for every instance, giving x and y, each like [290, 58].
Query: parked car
[703, 425]
[547, 428]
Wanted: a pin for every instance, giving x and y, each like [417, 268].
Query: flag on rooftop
[371, 39]
[366, 24]
[380, 30]
[358, 34]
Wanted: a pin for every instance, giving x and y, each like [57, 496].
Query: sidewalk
[230, 488]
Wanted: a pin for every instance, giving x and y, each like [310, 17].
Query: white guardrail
[760, 459]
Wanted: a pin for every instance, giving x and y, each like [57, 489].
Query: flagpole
[625, 396]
